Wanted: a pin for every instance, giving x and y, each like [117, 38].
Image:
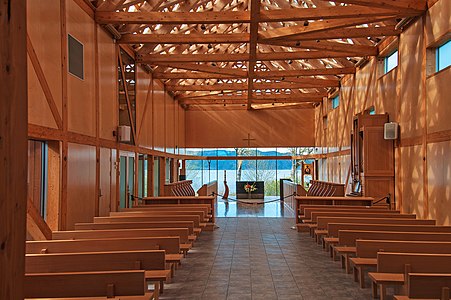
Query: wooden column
[13, 147]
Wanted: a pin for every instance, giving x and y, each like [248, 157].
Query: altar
[258, 188]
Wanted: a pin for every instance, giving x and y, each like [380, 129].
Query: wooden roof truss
[253, 54]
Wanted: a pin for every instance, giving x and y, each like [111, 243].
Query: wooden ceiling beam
[284, 32]
[207, 69]
[230, 17]
[416, 5]
[313, 83]
[339, 33]
[256, 96]
[253, 30]
[192, 38]
[327, 46]
[258, 74]
[158, 59]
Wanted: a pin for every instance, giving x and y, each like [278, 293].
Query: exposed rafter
[254, 54]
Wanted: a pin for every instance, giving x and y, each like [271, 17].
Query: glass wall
[263, 166]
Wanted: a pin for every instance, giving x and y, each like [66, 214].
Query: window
[76, 67]
[443, 56]
[335, 101]
[37, 175]
[390, 62]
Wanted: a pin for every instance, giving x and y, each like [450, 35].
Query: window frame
[437, 56]
[386, 59]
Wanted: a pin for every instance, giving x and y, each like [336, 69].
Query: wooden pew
[126, 285]
[317, 200]
[366, 253]
[155, 205]
[210, 200]
[308, 211]
[152, 218]
[205, 208]
[392, 268]
[135, 225]
[373, 214]
[182, 233]
[334, 228]
[322, 222]
[151, 261]
[427, 286]
[171, 246]
[302, 207]
[172, 212]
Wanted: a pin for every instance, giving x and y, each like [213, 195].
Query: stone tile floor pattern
[260, 258]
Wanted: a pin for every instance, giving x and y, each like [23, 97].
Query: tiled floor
[260, 258]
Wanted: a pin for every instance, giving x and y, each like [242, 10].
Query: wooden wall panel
[159, 115]
[438, 21]
[13, 148]
[105, 185]
[269, 128]
[108, 119]
[439, 177]
[43, 19]
[411, 56]
[181, 128]
[438, 101]
[411, 180]
[418, 103]
[81, 93]
[170, 124]
[81, 179]
[144, 108]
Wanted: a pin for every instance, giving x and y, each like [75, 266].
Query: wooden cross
[248, 140]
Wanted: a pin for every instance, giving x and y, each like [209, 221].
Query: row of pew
[392, 249]
[128, 255]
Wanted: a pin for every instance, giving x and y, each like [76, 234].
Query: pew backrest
[374, 214]
[308, 211]
[349, 237]
[369, 248]
[169, 244]
[201, 214]
[182, 233]
[333, 228]
[323, 221]
[85, 284]
[136, 225]
[302, 207]
[390, 262]
[95, 261]
[428, 286]
[205, 209]
[126, 219]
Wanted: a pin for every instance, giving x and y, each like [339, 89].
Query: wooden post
[13, 147]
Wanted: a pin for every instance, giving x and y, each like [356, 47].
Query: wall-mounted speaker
[123, 133]
[391, 131]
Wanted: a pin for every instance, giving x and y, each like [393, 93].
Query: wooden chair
[128, 285]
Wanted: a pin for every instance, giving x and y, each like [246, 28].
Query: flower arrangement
[250, 187]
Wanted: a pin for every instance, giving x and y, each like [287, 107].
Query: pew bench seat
[345, 252]
[319, 234]
[146, 296]
[160, 276]
[329, 243]
[359, 264]
[380, 280]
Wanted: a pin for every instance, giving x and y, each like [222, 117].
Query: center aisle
[260, 258]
